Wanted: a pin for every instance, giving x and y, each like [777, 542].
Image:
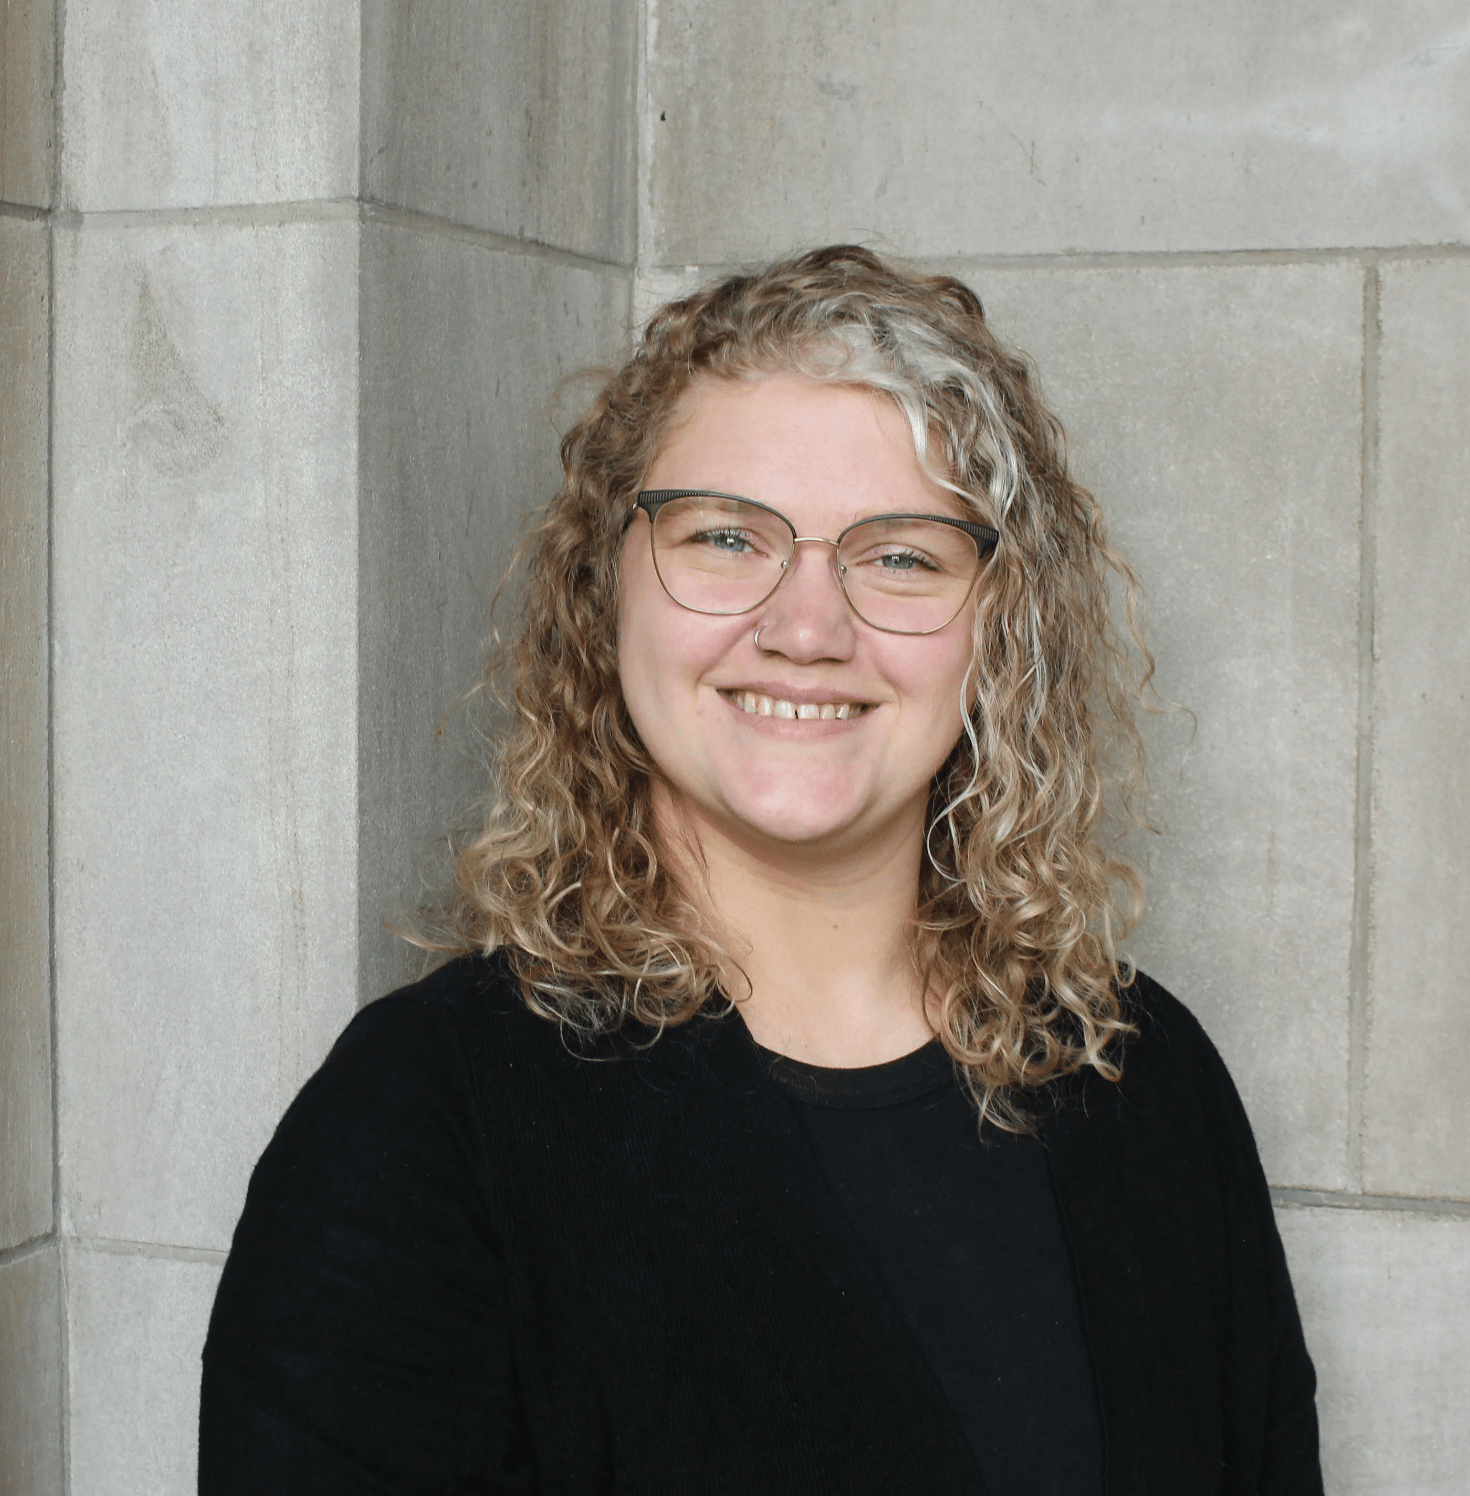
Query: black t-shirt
[969, 1243]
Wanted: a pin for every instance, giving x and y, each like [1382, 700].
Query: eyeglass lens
[719, 555]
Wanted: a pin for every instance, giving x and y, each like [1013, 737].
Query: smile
[754, 704]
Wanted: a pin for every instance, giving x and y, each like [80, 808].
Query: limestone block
[135, 1331]
[463, 349]
[1385, 1303]
[1417, 1107]
[25, 909]
[1009, 129]
[30, 1374]
[205, 705]
[186, 103]
[1215, 413]
[514, 118]
[27, 115]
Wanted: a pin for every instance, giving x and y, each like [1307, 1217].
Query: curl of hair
[1022, 896]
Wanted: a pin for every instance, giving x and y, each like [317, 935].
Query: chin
[797, 820]
[813, 834]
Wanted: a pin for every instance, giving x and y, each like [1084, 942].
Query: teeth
[755, 705]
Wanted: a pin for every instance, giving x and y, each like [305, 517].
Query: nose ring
[758, 635]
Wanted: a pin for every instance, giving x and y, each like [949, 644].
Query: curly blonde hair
[1022, 895]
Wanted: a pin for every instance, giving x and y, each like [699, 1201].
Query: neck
[822, 969]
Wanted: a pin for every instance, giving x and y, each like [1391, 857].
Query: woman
[785, 1119]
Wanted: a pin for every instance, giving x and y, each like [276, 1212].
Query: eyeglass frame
[651, 500]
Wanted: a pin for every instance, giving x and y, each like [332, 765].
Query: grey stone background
[285, 289]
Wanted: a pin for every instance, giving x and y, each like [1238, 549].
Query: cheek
[664, 651]
[639, 636]
[638, 666]
[937, 682]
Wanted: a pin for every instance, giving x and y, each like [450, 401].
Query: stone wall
[30, 1269]
[285, 292]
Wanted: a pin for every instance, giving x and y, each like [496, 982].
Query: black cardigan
[478, 1258]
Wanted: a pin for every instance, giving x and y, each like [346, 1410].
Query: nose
[807, 617]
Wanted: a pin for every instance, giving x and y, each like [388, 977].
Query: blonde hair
[1022, 896]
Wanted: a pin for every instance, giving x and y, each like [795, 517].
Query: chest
[694, 1309]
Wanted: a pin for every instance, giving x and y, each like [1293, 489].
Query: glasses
[902, 573]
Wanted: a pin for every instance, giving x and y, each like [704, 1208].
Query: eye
[904, 560]
[731, 542]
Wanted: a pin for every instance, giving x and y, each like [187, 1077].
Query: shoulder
[1166, 1149]
[385, 1145]
[1175, 1100]
[1168, 1051]
[1165, 1025]
[434, 1034]
[361, 1315]
[1171, 1053]
[1181, 1270]
[429, 1015]
[458, 1062]
[396, 1107]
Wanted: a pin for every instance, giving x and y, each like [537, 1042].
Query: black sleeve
[1272, 1382]
[360, 1339]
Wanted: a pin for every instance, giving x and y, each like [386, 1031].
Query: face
[824, 455]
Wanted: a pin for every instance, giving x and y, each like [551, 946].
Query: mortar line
[118, 1246]
[58, 97]
[63, 1302]
[63, 1293]
[361, 106]
[965, 264]
[27, 212]
[1436, 1205]
[359, 751]
[361, 998]
[643, 148]
[1363, 254]
[228, 215]
[52, 1006]
[1359, 1016]
[1149, 258]
[329, 210]
[429, 223]
[30, 1247]
[63, 1337]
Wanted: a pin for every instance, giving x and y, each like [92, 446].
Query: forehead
[807, 448]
